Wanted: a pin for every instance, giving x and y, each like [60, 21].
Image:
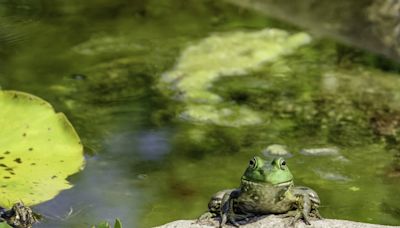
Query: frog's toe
[223, 220]
[287, 214]
[206, 216]
[306, 220]
[296, 218]
[317, 215]
[229, 218]
[233, 222]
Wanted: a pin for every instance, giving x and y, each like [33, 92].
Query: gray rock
[276, 150]
[332, 176]
[320, 152]
[274, 221]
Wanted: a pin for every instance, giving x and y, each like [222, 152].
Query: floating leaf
[39, 149]
[4, 225]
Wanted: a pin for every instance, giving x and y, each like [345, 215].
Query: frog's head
[275, 172]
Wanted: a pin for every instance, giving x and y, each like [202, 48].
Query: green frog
[266, 188]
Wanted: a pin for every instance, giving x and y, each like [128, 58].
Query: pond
[172, 98]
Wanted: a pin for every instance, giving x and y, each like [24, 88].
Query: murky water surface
[101, 63]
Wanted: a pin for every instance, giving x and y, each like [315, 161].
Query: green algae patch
[39, 149]
[223, 55]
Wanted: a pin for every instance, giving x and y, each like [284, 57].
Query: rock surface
[274, 221]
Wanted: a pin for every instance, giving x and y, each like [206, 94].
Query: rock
[274, 221]
[377, 21]
[332, 176]
[276, 150]
[320, 152]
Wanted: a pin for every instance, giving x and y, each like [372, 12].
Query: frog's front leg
[214, 206]
[304, 208]
[227, 208]
[307, 203]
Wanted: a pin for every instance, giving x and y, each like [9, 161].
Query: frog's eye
[283, 164]
[253, 163]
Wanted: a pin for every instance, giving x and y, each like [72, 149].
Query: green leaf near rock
[39, 149]
[4, 225]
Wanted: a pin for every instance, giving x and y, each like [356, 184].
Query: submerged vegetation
[229, 54]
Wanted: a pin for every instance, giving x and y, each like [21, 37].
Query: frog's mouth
[284, 184]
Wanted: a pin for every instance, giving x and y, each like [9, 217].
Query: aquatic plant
[39, 149]
[223, 55]
[105, 224]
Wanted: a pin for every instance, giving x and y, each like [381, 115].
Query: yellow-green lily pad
[39, 149]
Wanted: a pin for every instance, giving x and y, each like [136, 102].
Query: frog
[266, 187]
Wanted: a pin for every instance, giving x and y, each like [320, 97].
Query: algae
[224, 55]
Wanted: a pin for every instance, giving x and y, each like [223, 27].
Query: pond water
[156, 150]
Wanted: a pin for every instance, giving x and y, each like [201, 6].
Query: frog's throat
[252, 183]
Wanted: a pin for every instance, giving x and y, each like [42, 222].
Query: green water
[100, 62]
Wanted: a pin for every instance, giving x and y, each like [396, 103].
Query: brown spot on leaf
[7, 152]
[6, 177]
[18, 160]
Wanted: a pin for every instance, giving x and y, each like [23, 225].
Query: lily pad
[4, 225]
[39, 149]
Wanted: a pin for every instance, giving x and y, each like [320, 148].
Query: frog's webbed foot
[228, 218]
[206, 216]
[315, 213]
[287, 214]
[227, 210]
[298, 214]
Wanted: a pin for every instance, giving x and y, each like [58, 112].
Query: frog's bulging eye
[253, 163]
[283, 164]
